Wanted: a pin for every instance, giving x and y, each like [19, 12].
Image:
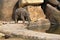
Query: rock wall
[1, 4]
[7, 9]
[8, 5]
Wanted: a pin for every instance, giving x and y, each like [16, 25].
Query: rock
[28, 34]
[17, 26]
[7, 9]
[52, 13]
[1, 35]
[36, 12]
[12, 38]
[26, 2]
[54, 2]
[40, 25]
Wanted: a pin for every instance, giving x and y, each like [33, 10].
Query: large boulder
[52, 13]
[54, 2]
[35, 12]
[40, 25]
[26, 2]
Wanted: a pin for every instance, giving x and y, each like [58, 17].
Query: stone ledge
[27, 34]
[27, 2]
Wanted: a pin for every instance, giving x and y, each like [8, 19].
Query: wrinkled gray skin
[22, 13]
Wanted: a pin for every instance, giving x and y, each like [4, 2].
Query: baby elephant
[22, 14]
